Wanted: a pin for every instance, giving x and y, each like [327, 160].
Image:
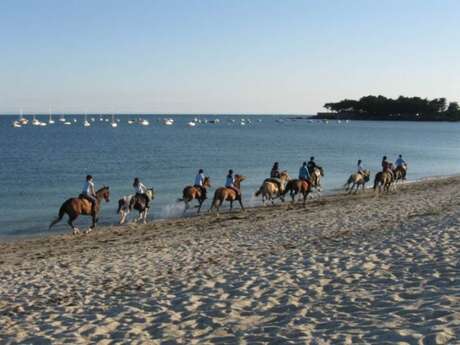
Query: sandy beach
[346, 269]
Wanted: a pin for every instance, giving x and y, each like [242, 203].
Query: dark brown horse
[191, 192]
[74, 207]
[297, 186]
[227, 194]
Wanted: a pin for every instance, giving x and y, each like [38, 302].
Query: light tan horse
[227, 194]
[271, 190]
[191, 192]
[400, 173]
[315, 179]
[383, 180]
[357, 180]
[74, 207]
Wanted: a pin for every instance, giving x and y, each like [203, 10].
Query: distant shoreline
[361, 117]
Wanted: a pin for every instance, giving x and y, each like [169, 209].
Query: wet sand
[346, 269]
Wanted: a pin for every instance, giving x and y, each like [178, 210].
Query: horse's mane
[102, 188]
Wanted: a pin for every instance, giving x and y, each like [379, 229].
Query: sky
[223, 56]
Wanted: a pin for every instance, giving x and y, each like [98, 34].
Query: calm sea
[43, 166]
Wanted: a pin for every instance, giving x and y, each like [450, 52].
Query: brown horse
[271, 190]
[227, 194]
[297, 186]
[74, 207]
[356, 180]
[383, 180]
[191, 192]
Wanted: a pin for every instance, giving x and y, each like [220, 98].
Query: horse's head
[207, 182]
[239, 178]
[284, 175]
[150, 193]
[104, 193]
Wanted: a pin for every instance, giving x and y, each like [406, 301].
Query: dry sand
[343, 270]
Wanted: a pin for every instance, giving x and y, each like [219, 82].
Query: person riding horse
[89, 193]
[402, 165]
[387, 166]
[199, 181]
[230, 183]
[275, 175]
[312, 165]
[360, 168]
[303, 172]
[141, 191]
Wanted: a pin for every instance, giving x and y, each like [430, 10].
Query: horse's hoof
[88, 231]
[75, 231]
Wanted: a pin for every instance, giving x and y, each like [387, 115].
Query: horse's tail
[121, 202]
[349, 181]
[376, 180]
[261, 189]
[62, 211]
[214, 202]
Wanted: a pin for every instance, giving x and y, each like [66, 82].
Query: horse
[315, 178]
[227, 194]
[191, 192]
[271, 190]
[74, 207]
[400, 173]
[356, 180]
[383, 180]
[135, 201]
[296, 186]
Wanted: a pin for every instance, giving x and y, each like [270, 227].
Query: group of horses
[384, 181]
[270, 190]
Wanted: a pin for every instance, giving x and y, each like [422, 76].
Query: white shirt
[140, 188]
[199, 180]
[88, 188]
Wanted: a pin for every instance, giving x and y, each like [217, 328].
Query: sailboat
[50, 119]
[35, 121]
[114, 123]
[62, 118]
[86, 122]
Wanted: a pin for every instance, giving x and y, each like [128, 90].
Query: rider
[303, 172]
[311, 165]
[400, 162]
[89, 193]
[199, 181]
[275, 173]
[360, 167]
[230, 182]
[386, 166]
[140, 189]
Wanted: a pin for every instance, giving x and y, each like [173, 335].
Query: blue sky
[221, 56]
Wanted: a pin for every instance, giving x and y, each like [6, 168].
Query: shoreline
[191, 215]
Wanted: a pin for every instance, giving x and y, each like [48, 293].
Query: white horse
[128, 202]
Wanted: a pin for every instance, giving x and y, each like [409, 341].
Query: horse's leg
[186, 206]
[72, 217]
[146, 210]
[200, 202]
[241, 204]
[231, 205]
[93, 223]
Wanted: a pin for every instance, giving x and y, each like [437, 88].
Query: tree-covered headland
[401, 108]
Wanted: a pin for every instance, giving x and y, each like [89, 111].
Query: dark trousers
[203, 191]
